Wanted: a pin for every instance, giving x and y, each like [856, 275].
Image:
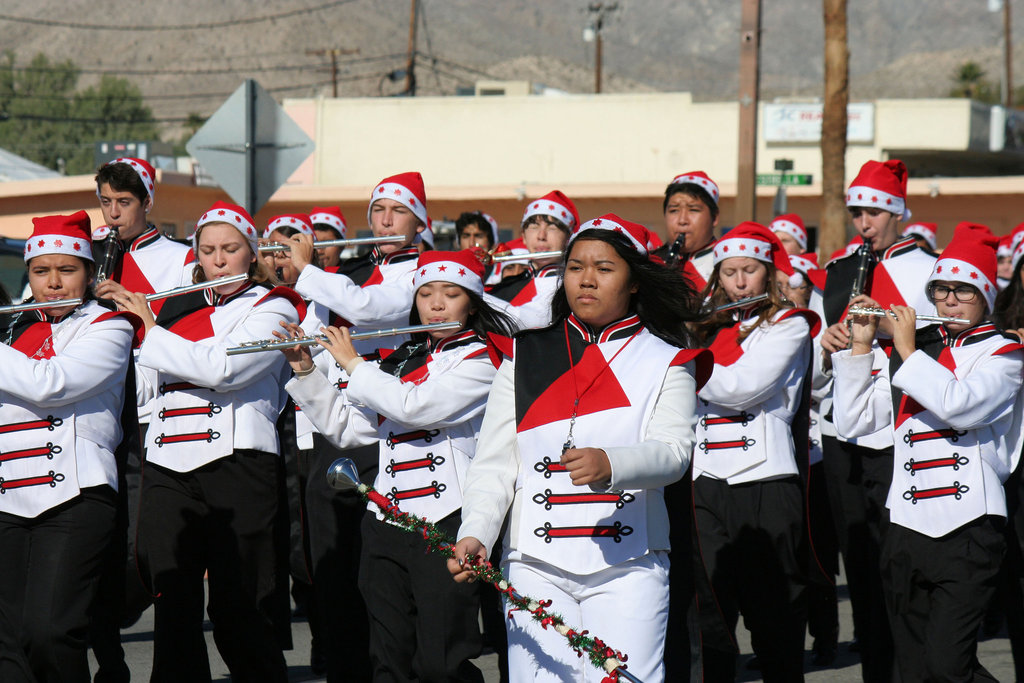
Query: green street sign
[784, 178]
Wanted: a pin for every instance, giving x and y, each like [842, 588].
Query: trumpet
[314, 339]
[39, 305]
[881, 313]
[741, 303]
[390, 239]
[167, 293]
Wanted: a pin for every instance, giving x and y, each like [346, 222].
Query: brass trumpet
[39, 305]
[167, 293]
[314, 339]
[881, 313]
[390, 239]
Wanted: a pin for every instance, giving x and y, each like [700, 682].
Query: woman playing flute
[212, 475]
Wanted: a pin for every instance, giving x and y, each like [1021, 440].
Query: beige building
[607, 152]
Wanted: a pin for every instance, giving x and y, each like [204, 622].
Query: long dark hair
[665, 301]
[715, 294]
[1008, 310]
[483, 321]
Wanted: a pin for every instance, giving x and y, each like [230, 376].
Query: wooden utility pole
[410, 62]
[333, 52]
[750, 79]
[599, 11]
[832, 234]
[1007, 55]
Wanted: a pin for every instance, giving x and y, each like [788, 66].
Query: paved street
[994, 654]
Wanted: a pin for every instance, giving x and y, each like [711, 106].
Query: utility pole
[410, 77]
[750, 79]
[1007, 55]
[598, 12]
[333, 52]
[832, 235]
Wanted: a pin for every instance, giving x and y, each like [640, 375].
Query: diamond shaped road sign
[250, 146]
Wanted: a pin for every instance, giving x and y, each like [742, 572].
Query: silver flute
[881, 313]
[356, 241]
[314, 339]
[39, 305]
[742, 303]
[167, 293]
[525, 257]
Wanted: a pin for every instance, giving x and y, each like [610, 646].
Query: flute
[881, 313]
[525, 257]
[741, 303]
[390, 239]
[314, 339]
[197, 287]
[39, 305]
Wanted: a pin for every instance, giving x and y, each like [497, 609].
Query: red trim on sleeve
[138, 329]
[810, 316]
[291, 295]
[1008, 348]
[499, 347]
[704, 363]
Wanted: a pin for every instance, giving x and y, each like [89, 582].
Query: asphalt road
[994, 654]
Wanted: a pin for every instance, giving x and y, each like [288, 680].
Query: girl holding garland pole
[423, 405]
[587, 421]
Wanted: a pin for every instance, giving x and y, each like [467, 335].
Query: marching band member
[586, 421]
[328, 224]
[61, 397]
[949, 395]
[280, 230]
[212, 478]
[398, 206]
[790, 230]
[748, 502]
[423, 406]
[691, 215]
[924, 234]
[476, 229]
[547, 224]
[859, 469]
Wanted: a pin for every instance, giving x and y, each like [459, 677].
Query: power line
[173, 27]
[168, 96]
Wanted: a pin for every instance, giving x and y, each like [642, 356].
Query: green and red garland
[600, 655]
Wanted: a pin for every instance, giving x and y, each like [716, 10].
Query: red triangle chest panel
[908, 406]
[526, 294]
[726, 346]
[196, 325]
[32, 342]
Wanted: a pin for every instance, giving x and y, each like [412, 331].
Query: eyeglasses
[965, 294]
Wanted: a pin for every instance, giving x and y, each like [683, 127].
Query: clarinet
[865, 260]
[675, 250]
[111, 256]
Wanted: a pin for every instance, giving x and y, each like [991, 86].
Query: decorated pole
[343, 475]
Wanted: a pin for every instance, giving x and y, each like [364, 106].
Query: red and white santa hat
[100, 233]
[970, 258]
[232, 214]
[1004, 249]
[882, 185]
[1016, 236]
[792, 225]
[68, 235]
[145, 171]
[808, 265]
[555, 205]
[926, 231]
[1018, 252]
[427, 236]
[494, 226]
[755, 241]
[639, 237]
[698, 178]
[297, 221]
[329, 215]
[404, 188]
[461, 268]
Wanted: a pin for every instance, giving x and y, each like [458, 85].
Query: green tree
[44, 118]
[969, 81]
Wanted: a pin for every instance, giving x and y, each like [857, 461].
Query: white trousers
[626, 606]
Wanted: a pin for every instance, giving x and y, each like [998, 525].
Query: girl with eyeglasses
[949, 394]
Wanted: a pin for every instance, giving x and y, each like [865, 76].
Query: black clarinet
[865, 260]
[675, 250]
[111, 256]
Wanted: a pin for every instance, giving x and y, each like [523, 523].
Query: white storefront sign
[802, 122]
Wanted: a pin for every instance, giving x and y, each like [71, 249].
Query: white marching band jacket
[957, 430]
[426, 420]
[636, 397]
[208, 404]
[746, 410]
[61, 395]
[531, 306]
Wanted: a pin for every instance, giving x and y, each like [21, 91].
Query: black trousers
[222, 519]
[937, 591]
[335, 544]
[423, 625]
[858, 482]
[50, 569]
[822, 605]
[752, 547]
